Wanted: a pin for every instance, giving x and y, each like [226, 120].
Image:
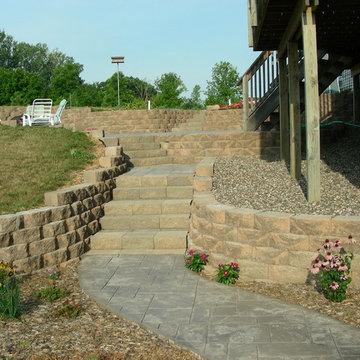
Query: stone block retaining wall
[61, 231]
[268, 246]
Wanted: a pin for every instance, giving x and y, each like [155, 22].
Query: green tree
[194, 102]
[66, 79]
[169, 87]
[223, 84]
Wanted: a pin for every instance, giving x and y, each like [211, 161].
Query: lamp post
[117, 60]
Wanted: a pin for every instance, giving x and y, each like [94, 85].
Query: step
[129, 181]
[144, 222]
[138, 240]
[147, 207]
[153, 192]
[145, 153]
[161, 160]
[141, 146]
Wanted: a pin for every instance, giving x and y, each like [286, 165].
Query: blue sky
[155, 36]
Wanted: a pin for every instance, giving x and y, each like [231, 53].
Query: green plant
[196, 261]
[333, 265]
[67, 309]
[9, 292]
[52, 274]
[51, 293]
[228, 273]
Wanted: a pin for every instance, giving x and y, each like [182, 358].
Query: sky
[155, 36]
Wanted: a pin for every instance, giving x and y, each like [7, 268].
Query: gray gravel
[266, 184]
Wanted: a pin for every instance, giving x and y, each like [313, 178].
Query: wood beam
[284, 111]
[245, 90]
[312, 115]
[356, 98]
[292, 27]
[294, 111]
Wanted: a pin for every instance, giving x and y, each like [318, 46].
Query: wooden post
[294, 111]
[311, 105]
[245, 90]
[356, 98]
[284, 111]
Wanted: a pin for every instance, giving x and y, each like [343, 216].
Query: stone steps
[150, 210]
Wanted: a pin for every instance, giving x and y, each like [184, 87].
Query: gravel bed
[247, 182]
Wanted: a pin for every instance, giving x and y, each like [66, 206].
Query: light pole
[117, 60]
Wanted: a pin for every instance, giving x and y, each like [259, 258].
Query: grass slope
[34, 160]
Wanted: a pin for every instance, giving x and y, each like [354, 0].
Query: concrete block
[5, 240]
[36, 217]
[9, 223]
[110, 161]
[294, 242]
[174, 221]
[127, 181]
[179, 192]
[60, 213]
[242, 218]
[27, 235]
[65, 240]
[170, 240]
[177, 206]
[151, 181]
[93, 227]
[77, 208]
[42, 246]
[14, 252]
[97, 212]
[89, 203]
[113, 151]
[202, 183]
[138, 240]
[54, 228]
[153, 192]
[270, 221]
[205, 168]
[268, 255]
[82, 233]
[55, 257]
[98, 199]
[287, 274]
[343, 226]
[311, 225]
[28, 265]
[75, 250]
[107, 240]
[126, 194]
[74, 222]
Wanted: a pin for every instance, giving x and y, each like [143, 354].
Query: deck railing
[259, 82]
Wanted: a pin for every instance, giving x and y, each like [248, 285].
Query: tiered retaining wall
[61, 231]
[269, 246]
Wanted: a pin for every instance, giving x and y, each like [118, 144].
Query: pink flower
[191, 252]
[335, 263]
[350, 240]
[234, 265]
[343, 277]
[337, 245]
[189, 261]
[315, 270]
[342, 267]
[334, 285]
[327, 244]
[325, 263]
[317, 262]
[203, 258]
[226, 273]
[329, 255]
[220, 265]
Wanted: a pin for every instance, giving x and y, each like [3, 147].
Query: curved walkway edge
[213, 320]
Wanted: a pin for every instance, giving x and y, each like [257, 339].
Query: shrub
[333, 266]
[9, 292]
[196, 261]
[228, 273]
[67, 309]
[52, 293]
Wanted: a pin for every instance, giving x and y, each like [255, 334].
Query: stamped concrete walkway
[213, 320]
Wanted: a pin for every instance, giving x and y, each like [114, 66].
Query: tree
[223, 85]
[169, 87]
[194, 102]
[65, 80]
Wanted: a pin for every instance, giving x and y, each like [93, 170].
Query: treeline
[33, 71]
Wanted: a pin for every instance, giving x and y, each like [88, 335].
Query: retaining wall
[61, 231]
[269, 246]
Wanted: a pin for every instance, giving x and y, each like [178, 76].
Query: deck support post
[245, 90]
[294, 111]
[284, 111]
[312, 115]
[356, 98]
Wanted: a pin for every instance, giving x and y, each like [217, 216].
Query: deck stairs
[263, 84]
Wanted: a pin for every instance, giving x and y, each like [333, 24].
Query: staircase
[150, 210]
[263, 83]
[193, 124]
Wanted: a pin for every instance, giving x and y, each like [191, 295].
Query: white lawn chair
[39, 113]
[55, 118]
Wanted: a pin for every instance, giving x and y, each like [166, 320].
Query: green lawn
[34, 160]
